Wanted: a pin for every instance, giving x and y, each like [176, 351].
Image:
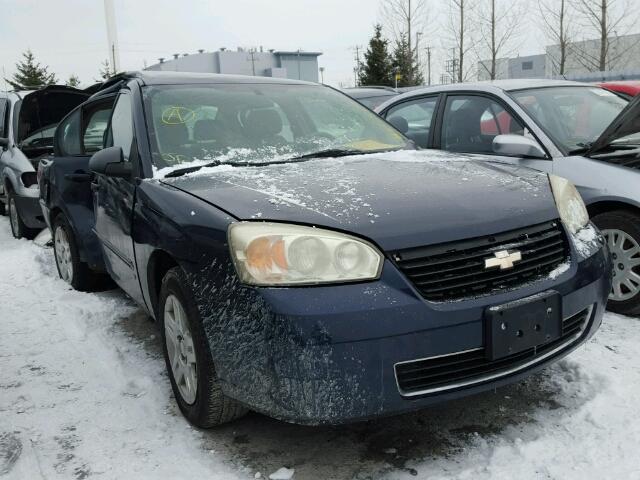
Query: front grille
[457, 270]
[457, 370]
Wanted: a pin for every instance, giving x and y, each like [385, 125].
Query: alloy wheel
[625, 254]
[63, 254]
[180, 349]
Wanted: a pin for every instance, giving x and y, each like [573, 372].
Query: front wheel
[18, 228]
[188, 357]
[621, 230]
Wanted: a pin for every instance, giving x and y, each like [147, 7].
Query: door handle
[77, 177]
[94, 187]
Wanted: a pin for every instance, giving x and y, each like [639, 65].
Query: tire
[3, 209]
[18, 228]
[65, 250]
[622, 232]
[208, 406]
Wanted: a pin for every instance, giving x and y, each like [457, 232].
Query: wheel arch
[160, 262]
[611, 205]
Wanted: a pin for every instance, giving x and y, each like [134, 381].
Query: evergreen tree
[73, 81]
[105, 72]
[30, 74]
[377, 68]
[405, 64]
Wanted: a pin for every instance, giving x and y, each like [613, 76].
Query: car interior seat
[263, 127]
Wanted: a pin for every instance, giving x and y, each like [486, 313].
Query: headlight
[573, 212]
[281, 254]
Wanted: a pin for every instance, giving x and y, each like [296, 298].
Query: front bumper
[328, 354]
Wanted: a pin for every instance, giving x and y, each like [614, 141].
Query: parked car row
[303, 258]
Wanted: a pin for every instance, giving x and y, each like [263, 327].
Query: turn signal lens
[280, 254]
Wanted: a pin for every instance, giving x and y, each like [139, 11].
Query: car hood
[626, 123]
[45, 107]
[398, 200]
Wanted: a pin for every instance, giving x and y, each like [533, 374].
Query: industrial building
[296, 65]
[580, 64]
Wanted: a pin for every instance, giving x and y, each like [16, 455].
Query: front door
[113, 204]
[471, 122]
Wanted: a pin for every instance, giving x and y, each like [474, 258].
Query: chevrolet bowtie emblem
[503, 259]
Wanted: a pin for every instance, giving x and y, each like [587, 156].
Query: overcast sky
[70, 35]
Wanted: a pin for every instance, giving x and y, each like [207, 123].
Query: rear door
[414, 118]
[64, 180]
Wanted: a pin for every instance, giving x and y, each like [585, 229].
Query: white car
[578, 131]
[28, 120]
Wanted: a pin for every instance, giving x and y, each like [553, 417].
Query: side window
[122, 125]
[96, 121]
[68, 133]
[3, 117]
[414, 119]
[471, 123]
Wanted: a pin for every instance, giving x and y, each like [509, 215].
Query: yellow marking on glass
[176, 115]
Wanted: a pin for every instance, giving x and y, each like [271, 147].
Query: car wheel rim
[180, 351]
[63, 254]
[13, 216]
[625, 254]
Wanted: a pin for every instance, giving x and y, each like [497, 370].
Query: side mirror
[4, 142]
[517, 146]
[110, 162]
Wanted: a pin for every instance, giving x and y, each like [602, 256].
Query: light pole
[321, 75]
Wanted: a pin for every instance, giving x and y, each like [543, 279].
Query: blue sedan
[303, 260]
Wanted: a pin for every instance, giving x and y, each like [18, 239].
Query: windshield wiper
[582, 148]
[331, 153]
[183, 171]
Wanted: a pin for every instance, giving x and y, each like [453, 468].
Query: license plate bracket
[521, 325]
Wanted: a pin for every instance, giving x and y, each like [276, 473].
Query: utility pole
[252, 52]
[112, 35]
[299, 72]
[357, 49]
[428, 65]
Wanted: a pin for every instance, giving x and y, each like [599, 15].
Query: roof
[488, 86]
[364, 92]
[297, 52]
[155, 77]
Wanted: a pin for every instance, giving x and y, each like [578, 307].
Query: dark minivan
[304, 261]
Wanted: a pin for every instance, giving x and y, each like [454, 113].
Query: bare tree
[608, 18]
[460, 27]
[498, 27]
[557, 28]
[406, 19]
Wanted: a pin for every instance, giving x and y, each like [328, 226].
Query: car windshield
[191, 125]
[573, 117]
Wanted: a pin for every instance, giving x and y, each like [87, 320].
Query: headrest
[400, 123]
[204, 129]
[173, 135]
[263, 123]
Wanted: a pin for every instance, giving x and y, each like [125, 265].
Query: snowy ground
[83, 394]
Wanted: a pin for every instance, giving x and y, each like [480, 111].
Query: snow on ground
[83, 394]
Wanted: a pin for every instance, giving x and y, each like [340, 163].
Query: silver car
[578, 131]
[28, 120]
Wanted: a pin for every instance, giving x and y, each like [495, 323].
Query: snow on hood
[397, 199]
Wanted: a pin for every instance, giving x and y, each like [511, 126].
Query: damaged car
[303, 260]
[578, 131]
[28, 120]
